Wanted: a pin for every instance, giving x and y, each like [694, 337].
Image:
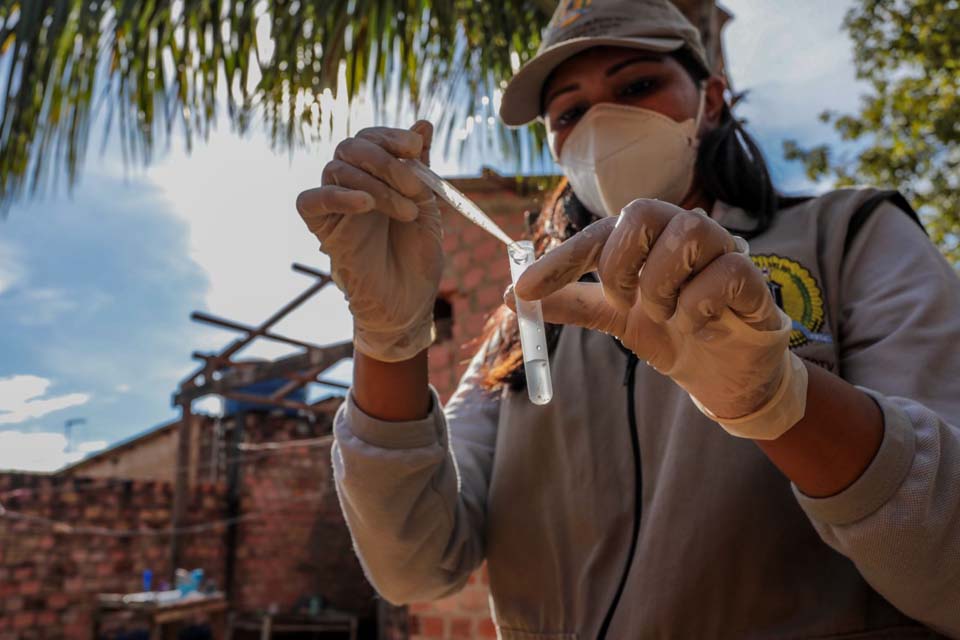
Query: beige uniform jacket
[620, 511]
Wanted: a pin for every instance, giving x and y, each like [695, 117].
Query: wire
[252, 452]
[65, 528]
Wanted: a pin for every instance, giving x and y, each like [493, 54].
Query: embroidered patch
[572, 11]
[796, 292]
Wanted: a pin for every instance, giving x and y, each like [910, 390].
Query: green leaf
[907, 51]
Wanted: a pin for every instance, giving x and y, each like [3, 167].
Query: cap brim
[521, 99]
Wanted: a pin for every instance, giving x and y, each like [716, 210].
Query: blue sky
[96, 288]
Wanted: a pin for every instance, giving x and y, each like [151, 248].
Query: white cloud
[47, 305]
[796, 61]
[92, 446]
[40, 451]
[211, 405]
[238, 199]
[122, 388]
[11, 269]
[21, 399]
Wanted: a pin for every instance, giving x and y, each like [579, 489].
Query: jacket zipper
[629, 380]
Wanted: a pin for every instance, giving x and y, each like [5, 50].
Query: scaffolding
[221, 375]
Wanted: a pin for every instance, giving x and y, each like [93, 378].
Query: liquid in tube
[533, 337]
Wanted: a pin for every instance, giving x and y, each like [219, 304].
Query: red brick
[489, 250]
[472, 278]
[58, 601]
[441, 356]
[461, 261]
[92, 512]
[430, 626]
[30, 587]
[24, 620]
[473, 326]
[486, 629]
[451, 243]
[489, 298]
[461, 628]
[47, 620]
[22, 573]
[474, 599]
[12, 605]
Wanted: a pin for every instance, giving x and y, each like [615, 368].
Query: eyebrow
[642, 57]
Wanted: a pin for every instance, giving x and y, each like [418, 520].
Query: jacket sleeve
[414, 493]
[900, 333]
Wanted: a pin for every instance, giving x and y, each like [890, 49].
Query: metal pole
[234, 478]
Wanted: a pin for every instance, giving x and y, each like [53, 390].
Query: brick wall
[461, 617]
[301, 547]
[50, 574]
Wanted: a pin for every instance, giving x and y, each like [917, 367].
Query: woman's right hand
[381, 227]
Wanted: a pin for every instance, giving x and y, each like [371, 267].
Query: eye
[568, 117]
[638, 88]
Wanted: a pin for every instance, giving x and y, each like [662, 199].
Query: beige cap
[577, 25]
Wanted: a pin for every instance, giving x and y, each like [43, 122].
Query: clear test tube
[533, 337]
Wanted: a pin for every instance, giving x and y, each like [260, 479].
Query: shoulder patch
[796, 292]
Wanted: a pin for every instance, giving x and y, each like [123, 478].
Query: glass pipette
[457, 200]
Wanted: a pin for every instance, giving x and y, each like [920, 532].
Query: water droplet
[539, 348]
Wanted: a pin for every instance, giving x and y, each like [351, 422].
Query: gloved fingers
[580, 303]
[388, 201]
[380, 164]
[425, 129]
[731, 281]
[400, 143]
[638, 226]
[690, 242]
[565, 264]
[322, 206]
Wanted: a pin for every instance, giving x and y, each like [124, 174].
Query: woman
[722, 466]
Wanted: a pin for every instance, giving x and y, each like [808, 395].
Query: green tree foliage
[153, 65]
[906, 134]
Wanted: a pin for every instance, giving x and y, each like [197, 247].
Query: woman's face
[625, 76]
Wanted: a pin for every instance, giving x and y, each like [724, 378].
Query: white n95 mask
[617, 153]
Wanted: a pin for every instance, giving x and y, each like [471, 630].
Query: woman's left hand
[675, 291]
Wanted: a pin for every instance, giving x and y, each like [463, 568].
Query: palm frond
[156, 66]
[161, 65]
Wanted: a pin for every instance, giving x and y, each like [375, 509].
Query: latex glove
[675, 292]
[381, 228]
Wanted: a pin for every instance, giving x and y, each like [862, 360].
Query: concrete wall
[150, 459]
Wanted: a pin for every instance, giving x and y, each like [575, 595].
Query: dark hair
[730, 167]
